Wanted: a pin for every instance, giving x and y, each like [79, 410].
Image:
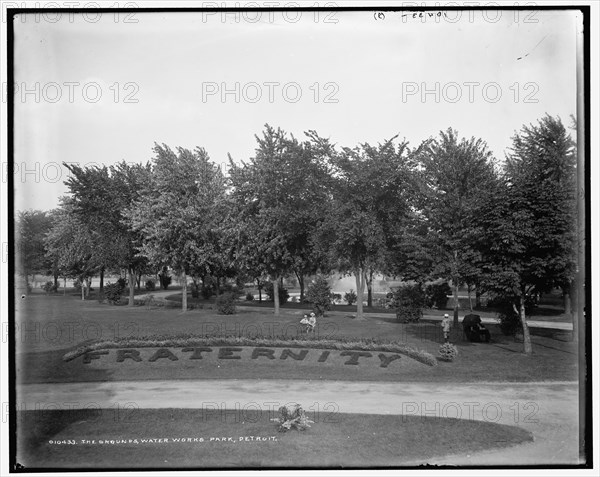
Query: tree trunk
[131, 274]
[276, 295]
[370, 289]
[218, 285]
[102, 279]
[55, 281]
[65, 287]
[259, 286]
[477, 298]
[184, 293]
[526, 336]
[139, 279]
[300, 277]
[82, 290]
[360, 291]
[456, 304]
[88, 285]
[470, 300]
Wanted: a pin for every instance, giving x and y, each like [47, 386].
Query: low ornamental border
[272, 342]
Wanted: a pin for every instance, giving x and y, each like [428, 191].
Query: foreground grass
[335, 440]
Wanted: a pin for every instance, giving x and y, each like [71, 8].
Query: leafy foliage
[49, 287]
[319, 294]
[527, 233]
[448, 352]
[408, 300]
[437, 295]
[150, 285]
[226, 304]
[113, 292]
[350, 297]
[283, 293]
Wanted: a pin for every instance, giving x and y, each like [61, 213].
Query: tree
[72, 246]
[369, 199]
[179, 210]
[457, 175]
[278, 197]
[99, 198]
[32, 227]
[528, 230]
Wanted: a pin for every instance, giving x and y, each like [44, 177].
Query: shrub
[150, 285]
[49, 287]
[335, 298]
[283, 293]
[113, 292]
[319, 294]
[249, 297]
[408, 301]
[437, 295]
[350, 297]
[77, 285]
[226, 304]
[448, 352]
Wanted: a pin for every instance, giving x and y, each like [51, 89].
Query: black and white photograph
[301, 236]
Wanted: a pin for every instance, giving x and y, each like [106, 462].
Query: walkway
[554, 325]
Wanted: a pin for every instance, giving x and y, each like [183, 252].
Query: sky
[98, 90]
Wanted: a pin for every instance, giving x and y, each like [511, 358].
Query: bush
[350, 297]
[150, 285]
[77, 285]
[226, 304]
[249, 297]
[335, 298]
[49, 287]
[408, 301]
[113, 292]
[283, 293]
[448, 352]
[319, 294]
[437, 295]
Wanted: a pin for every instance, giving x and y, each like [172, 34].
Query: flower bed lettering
[347, 357]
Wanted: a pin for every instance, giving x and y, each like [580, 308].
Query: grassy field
[49, 326]
[82, 439]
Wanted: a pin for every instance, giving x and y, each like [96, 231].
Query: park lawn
[48, 327]
[333, 440]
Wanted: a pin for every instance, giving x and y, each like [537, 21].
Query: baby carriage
[474, 330]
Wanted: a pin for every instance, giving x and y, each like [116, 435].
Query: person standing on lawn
[446, 324]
